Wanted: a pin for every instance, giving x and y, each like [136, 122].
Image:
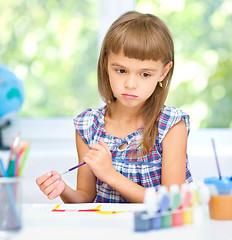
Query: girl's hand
[51, 184]
[100, 161]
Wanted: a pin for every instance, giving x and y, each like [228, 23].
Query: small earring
[161, 84]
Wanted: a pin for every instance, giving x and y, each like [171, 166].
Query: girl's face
[133, 81]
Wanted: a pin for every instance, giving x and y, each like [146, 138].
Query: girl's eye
[120, 70]
[145, 75]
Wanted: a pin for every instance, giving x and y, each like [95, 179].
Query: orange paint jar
[220, 207]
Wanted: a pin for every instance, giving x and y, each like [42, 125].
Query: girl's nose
[131, 82]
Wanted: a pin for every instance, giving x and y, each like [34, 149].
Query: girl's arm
[100, 161]
[174, 155]
[173, 167]
[86, 181]
[52, 185]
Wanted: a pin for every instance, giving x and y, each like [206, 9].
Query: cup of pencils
[10, 186]
[10, 207]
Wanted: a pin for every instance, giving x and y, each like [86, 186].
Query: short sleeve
[84, 125]
[168, 118]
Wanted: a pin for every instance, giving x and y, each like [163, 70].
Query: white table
[39, 222]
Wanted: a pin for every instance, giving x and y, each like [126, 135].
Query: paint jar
[187, 215]
[166, 221]
[142, 221]
[177, 217]
[220, 204]
[10, 204]
[156, 222]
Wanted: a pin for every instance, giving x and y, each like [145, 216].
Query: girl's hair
[143, 37]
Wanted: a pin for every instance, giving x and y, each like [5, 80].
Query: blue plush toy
[11, 96]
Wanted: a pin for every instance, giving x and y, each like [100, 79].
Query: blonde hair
[143, 37]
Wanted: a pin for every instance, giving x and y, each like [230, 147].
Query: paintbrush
[70, 169]
[216, 158]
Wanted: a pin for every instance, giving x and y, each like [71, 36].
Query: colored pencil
[24, 159]
[2, 170]
[12, 161]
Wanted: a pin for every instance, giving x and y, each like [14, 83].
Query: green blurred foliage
[202, 80]
[52, 47]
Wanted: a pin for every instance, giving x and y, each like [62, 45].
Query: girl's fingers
[95, 146]
[43, 178]
[104, 145]
[86, 159]
[96, 151]
[54, 172]
[51, 187]
[49, 182]
[59, 188]
[53, 194]
[92, 154]
[40, 180]
[100, 146]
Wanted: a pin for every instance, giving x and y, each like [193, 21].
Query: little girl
[134, 142]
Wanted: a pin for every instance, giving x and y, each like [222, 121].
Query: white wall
[53, 148]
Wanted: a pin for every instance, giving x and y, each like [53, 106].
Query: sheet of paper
[80, 214]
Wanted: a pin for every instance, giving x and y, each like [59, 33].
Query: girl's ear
[166, 70]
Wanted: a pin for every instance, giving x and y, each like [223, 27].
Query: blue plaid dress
[143, 170]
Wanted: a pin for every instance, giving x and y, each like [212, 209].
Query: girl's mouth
[129, 96]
